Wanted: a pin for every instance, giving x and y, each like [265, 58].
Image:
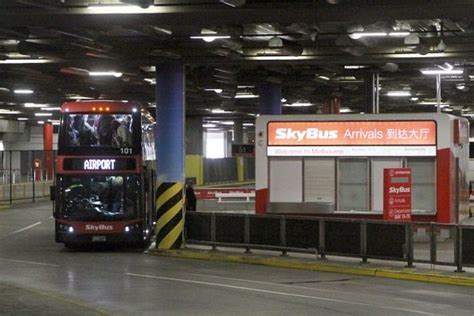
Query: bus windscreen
[98, 130]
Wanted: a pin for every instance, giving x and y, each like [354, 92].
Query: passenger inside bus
[81, 133]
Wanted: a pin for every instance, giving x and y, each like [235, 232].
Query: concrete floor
[40, 277]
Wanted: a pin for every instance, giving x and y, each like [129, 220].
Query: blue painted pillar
[270, 99]
[169, 144]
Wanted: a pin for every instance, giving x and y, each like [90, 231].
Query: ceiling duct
[38, 50]
[233, 3]
[281, 46]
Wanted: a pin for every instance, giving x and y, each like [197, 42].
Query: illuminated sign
[352, 133]
[99, 164]
[397, 194]
[104, 164]
[352, 138]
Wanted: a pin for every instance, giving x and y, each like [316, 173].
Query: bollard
[458, 249]
[433, 243]
[213, 231]
[409, 245]
[283, 236]
[322, 240]
[363, 241]
[247, 233]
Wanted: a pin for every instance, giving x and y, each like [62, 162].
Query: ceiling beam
[215, 14]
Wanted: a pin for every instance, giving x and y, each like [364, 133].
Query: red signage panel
[397, 194]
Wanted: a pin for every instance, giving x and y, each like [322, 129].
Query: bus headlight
[70, 229]
[127, 229]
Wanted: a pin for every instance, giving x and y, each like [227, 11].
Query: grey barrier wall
[363, 239]
[220, 170]
[225, 169]
[249, 168]
[26, 175]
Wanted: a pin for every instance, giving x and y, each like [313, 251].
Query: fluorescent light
[105, 73]
[50, 108]
[150, 80]
[323, 77]
[115, 9]
[23, 61]
[354, 67]
[245, 87]
[357, 35]
[220, 111]
[54, 122]
[345, 110]
[414, 98]
[43, 114]
[210, 38]
[5, 111]
[248, 124]
[416, 55]
[34, 105]
[279, 57]
[246, 96]
[442, 72]
[398, 34]
[227, 122]
[208, 125]
[214, 90]
[442, 105]
[283, 100]
[298, 104]
[22, 119]
[23, 91]
[40, 122]
[399, 93]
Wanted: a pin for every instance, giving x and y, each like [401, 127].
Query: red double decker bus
[105, 174]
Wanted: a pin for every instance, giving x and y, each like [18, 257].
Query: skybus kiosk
[105, 174]
[333, 165]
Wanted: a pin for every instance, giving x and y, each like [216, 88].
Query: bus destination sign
[104, 164]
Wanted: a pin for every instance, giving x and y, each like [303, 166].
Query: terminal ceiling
[51, 46]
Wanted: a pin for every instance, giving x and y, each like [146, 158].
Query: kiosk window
[423, 172]
[353, 184]
[319, 180]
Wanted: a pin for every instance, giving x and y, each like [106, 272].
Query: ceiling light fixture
[442, 72]
[345, 110]
[399, 93]
[279, 57]
[354, 66]
[5, 111]
[298, 104]
[105, 74]
[218, 91]
[248, 124]
[210, 38]
[22, 119]
[34, 105]
[115, 9]
[220, 111]
[398, 34]
[43, 114]
[25, 61]
[323, 77]
[246, 96]
[357, 35]
[23, 91]
[51, 108]
[209, 125]
[414, 99]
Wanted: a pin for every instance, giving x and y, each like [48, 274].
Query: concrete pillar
[48, 150]
[372, 93]
[238, 131]
[170, 115]
[194, 165]
[270, 99]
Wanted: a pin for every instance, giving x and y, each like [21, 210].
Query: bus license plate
[99, 238]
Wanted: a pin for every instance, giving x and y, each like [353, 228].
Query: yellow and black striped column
[170, 217]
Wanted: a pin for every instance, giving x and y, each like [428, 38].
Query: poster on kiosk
[397, 194]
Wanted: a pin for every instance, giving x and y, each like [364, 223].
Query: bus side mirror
[52, 192]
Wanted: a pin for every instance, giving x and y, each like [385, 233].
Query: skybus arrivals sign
[352, 138]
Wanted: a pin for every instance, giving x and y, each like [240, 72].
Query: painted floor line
[25, 228]
[278, 293]
[30, 262]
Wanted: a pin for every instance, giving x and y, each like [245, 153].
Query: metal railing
[364, 239]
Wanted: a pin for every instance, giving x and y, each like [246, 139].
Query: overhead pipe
[141, 3]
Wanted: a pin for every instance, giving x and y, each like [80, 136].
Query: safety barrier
[365, 239]
[235, 197]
